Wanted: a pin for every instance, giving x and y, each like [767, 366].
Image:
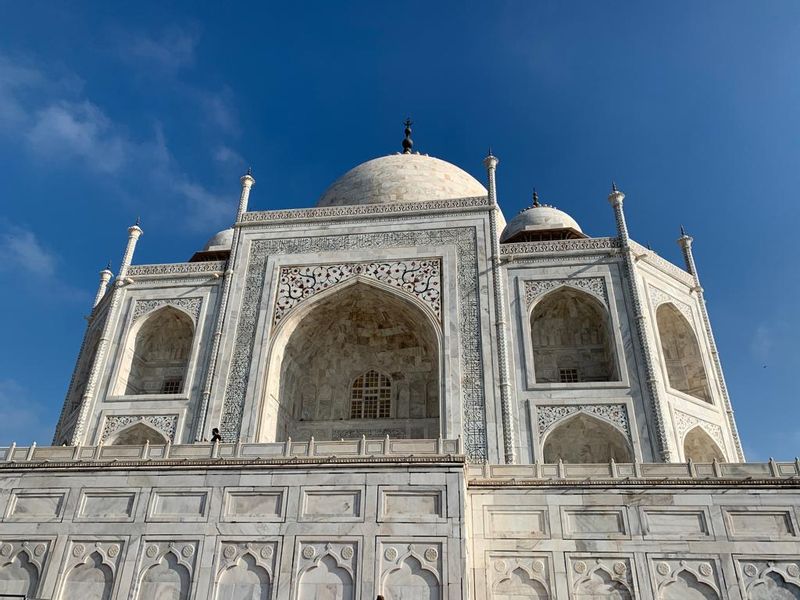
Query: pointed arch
[518, 585]
[572, 338]
[601, 584]
[583, 438]
[137, 434]
[686, 586]
[700, 447]
[326, 578]
[321, 348]
[681, 352]
[166, 579]
[91, 579]
[773, 586]
[156, 353]
[412, 580]
[19, 576]
[244, 579]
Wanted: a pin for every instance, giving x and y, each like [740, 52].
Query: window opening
[568, 375]
[371, 396]
[172, 386]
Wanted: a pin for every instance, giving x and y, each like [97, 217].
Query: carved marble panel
[685, 422]
[462, 239]
[246, 569]
[595, 286]
[549, 415]
[514, 576]
[681, 578]
[166, 424]
[769, 578]
[90, 569]
[326, 570]
[166, 569]
[659, 297]
[21, 565]
[37, 505]
[419, 278]
[410, 569]
[597, 577]
[191, 306]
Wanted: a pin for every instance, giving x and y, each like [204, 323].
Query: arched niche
[601, 585]
[326, 579]
[19, 576]
[320, 351]
[245, 580]
[167, 580]
[571, 339]
[518, 586]
[699, 447]
[89, 580]
[686, 586]
[582, 438]
[772, 586]
[156, 354]
[137, 435]
[411, 580]
[682, 357]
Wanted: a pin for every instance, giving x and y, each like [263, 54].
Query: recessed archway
[699, 447]
[137, 435]
[347, 345]
[571, 339]
[156, 354]
[682, 357]
[585, 439]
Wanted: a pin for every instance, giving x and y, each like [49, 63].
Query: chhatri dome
[406, 177]
[540, 222]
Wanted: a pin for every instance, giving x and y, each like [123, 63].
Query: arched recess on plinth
[571, 337]
[582, 438]
[700, 447]
[336, 343]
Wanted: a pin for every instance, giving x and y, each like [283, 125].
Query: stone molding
[755, 570]
[264, 555]
[190, 306]
[666, 571]
[166, 424]
[661, 264]
[583, 244]
[659, 297]
[595, 286]
[616, 568]
[536, 567]
[464, 241]
[80, 551]
[393, 553]
[310, 553]
[685, 422]
[361, 210]
[420, 278]
[189, 269]
[36, 550]
[549, 416]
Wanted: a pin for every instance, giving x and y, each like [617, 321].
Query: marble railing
[623, 471]
[352, 449]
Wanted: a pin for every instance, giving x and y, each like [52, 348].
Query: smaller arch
[583, 438]
[91, 579]
[156, 355]
[137, 434]
[681, 351]
[686, 586]
[601, 584]
[411, 579]
[772, 585]
[700, 447]
[518, 585]
[572, 339]
[166, 579]
[326, 578]
[19, 576]
[244, 579]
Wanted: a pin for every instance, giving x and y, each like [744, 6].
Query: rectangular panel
[670, 523]
[331, 504]
[594, 523]
[515, 522]
[411, 504]
[179, 506]
[106, 505]
[760, 523]
[44, 505]
[254, 504]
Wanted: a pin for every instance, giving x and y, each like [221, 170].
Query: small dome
[401, 178]
[541, 218]
[220, 241]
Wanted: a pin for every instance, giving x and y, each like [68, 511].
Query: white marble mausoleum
[399, 393]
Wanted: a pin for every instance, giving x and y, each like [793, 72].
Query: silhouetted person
[215, 435]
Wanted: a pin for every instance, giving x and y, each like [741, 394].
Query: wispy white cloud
[170, 51]
[225, 155]
[762, 343]
[22, 251]
[23, 420]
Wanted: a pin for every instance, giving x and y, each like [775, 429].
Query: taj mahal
[400, 393]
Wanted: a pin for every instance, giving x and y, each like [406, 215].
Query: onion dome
[216, 248]
[540, 222]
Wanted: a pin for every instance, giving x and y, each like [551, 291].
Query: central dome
[401, 178]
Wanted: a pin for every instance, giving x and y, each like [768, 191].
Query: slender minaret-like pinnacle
[535, 199]
[105, 277]
[247, 183]
[408, 143]
[134, 232]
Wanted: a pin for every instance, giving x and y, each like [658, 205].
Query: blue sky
[113, 110]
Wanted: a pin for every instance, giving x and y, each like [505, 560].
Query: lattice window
[568, 375]
[371, 396]
[171, 386]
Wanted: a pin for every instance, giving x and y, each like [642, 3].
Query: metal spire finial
[249, 171]
[138, 221]
[683, 232]
[535, 198]
[614, 187]
[408, 143]
[108, 266]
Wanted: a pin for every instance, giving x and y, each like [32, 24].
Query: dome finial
[535, 198]
[614, 187]
[408, 143]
